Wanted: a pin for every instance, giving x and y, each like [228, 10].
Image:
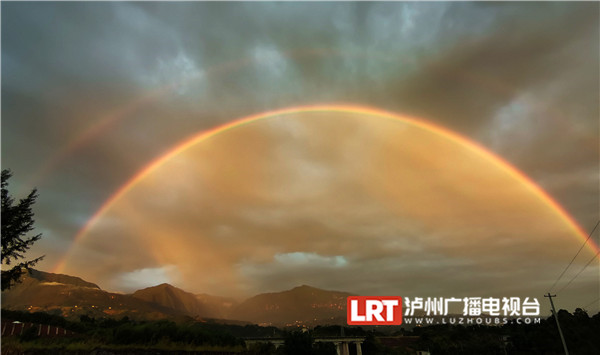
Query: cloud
[412, 210]
[147, 277]
[518, 78]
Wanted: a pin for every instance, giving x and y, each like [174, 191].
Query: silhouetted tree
[262, 349]
[17, 222]
[298, 343]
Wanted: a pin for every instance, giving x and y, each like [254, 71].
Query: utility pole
[562, 338]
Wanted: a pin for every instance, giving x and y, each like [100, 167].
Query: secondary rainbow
[353, 109]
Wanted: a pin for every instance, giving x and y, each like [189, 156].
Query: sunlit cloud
[420, 206]
[303, 259]
[147, 277]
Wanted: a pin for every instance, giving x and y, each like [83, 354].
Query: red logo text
[374, 310]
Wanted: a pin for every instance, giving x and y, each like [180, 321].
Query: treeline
[187, 336]
[580, 331]
[125, 333]
[295, 343]
[303, 343]
[103, 327]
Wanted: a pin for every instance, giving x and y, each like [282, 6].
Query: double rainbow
[353, 109]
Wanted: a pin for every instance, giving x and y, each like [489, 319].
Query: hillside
[174, 298]
[303, 305]
[60, 278]
[220, 307]
[73, 297]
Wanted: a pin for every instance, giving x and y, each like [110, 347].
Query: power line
[571, 262]
[591, 303]
[580, 271]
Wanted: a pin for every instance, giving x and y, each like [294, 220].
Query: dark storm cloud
[519, 78]
[464, 85]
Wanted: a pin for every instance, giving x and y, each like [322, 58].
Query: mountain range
[73, 297]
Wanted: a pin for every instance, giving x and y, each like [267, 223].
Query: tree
[298, 343]
[17, 222]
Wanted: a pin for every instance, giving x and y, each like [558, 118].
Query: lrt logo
[374, 310]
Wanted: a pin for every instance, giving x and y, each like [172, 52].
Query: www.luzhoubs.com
[469, 320]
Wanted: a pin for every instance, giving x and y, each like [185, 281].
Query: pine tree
[17, 222]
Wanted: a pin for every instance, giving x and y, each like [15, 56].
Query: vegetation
[17, 222]
[109, 333]
[295, 343]
[579, 328]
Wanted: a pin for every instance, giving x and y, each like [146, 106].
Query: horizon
[239, 300]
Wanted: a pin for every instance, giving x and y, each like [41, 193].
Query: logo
[374, 310]
[388, 310]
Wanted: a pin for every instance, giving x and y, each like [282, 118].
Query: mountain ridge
[60, 278]
[173, 297]
[73, 297]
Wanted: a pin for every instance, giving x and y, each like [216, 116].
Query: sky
[92, 93]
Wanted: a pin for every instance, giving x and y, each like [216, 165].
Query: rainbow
[111, 118]
[353, 109]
